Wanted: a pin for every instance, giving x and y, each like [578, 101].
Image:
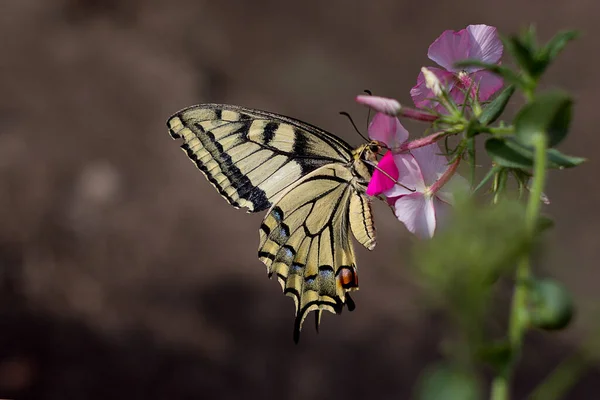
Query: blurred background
[124, 275]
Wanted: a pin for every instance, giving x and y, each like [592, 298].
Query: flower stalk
[518, 315]
[421, 142]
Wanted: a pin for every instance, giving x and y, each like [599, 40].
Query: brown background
[125, 275]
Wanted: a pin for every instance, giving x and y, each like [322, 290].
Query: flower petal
[422, 96]
[488, 82]
[380, 182]
[380, 104]
[432, 163]
[388, 130]
[457, 94]
[449, 48]
[409, 174]
[485, 45]
[417, 213]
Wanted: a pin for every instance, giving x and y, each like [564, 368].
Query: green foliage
[510, 153]
[461, 265]
[548, 115]
[532, 59]
[496, 107]
[448, 382]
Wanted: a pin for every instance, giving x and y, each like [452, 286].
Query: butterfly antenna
[367, 91]
[388, 175]
[345, 114]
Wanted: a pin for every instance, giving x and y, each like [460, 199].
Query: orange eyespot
[347, 277]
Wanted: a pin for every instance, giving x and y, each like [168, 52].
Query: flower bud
[380, 104]
[432, 82]
[550, 305]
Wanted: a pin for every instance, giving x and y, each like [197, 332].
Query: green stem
[562, 378]
[567, 373]
[499, 389]
[501, 130]
[472, 160]
[518, 317]
[539, 179]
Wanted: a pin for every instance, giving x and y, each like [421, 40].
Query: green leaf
[493, 171]
[557, 44]
[495, 108]
[556, 159]
[522, 52]
[448, 382]
[529, 37]
[544, 223]
[549, 114]
[510, 153]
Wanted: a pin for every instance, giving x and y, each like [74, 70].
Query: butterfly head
[365, 158]
[369, 151]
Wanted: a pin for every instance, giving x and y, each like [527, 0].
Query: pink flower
[427, 172]
[478, 42]
[390, 131]
[423, 171]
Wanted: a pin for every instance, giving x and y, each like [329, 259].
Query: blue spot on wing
[277, 214]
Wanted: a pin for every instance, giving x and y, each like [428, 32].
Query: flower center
[464, 78]
[429, 191]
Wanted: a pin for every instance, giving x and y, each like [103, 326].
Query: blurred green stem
[472, 160]
[562, 378]
[518, 317]
[501, 130]
[567, 373]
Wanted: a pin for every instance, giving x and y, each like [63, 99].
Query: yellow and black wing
[251, 157]
[305, 241]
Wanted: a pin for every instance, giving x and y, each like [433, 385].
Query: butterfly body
[311, 182]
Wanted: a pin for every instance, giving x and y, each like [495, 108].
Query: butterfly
[312, 184]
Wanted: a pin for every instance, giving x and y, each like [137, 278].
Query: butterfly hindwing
[252, 156]
[305, 240]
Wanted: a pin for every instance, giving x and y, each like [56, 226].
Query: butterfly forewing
[305, 240]
[252, 156]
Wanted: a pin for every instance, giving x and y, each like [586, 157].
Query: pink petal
[379, 182]
[417, 213]
[488, 82]
[457, 94]
[409, 175]
[388, 130]
[485, 45]
[432, 163]
[380, 104]
[449, 48]
[421, 95]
